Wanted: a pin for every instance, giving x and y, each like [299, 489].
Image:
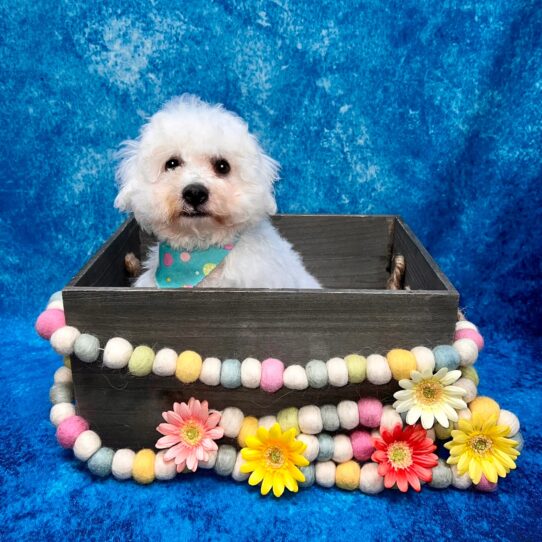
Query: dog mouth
[194, 213]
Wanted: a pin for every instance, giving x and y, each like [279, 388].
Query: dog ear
[270, 173]
[126, 174]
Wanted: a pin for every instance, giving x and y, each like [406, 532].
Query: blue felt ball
[230, 373]
[316, 373]
[100, 462]
[446, 356]
[309, 474]
[325, 447]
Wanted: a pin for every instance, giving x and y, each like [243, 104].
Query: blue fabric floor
[429, 110]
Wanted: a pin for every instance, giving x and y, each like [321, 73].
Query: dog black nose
[195, 194]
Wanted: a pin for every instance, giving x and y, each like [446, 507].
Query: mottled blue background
[431, 110]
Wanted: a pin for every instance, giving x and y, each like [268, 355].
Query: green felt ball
[326, 446]
[87, 348]
[471, 373]
[309, 474]
[140, 363]
[316, 373]
[100, 462]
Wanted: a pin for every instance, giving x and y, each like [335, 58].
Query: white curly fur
[239, 204]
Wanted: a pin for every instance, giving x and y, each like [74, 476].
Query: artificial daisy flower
[273, 458]
[480, 446]
[190, 433]
[405, 457]
[430, 396]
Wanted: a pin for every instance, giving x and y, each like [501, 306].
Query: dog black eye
[172, 163]
[221, 166]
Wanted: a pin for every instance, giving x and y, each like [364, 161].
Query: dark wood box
[354, 313]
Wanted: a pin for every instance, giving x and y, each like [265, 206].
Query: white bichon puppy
[200, 182]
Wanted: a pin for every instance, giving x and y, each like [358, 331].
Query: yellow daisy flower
[273, 458]
[480, 447]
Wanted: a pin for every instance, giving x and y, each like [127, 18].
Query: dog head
[195, 176]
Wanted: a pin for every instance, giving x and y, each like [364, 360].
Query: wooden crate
[354, 313]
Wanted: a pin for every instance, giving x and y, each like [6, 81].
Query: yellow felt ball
[143, 467]
[401, 363]
[347, 475]
[188, 366]
[357, 368]
[485, 407]
[248, 429]
[288, 418]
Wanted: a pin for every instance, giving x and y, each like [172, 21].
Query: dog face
[195, 176]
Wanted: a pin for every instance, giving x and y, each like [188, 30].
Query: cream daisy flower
[430, 397]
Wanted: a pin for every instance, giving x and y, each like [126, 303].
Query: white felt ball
[210, 463]
[86, 445]
[425, 359]
[431, 434]
[469, 386]
[375, 433]
[60, 412]
[511, 420]
[465, 324]
[348, 414]
[164, 470]
[460, 482]
[251, 373]
[464, 414]
[342, 449]
[325, 473]
[337, 372]
[236, 474]
[312, 449]
[165, 362]
[267, 421]
[295, 378]
[123, 461]
[310, 420]
[378, 370]
[63, 375]
[56, 304]
[210, 371]
[63, 339]
[231, 421]
[117, 353]
[467, 350]
[370, 481]
[390, 418]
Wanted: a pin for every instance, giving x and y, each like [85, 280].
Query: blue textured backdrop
[430, 110]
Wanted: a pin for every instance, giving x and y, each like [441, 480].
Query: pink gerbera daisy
[190, 433]
[405, 457]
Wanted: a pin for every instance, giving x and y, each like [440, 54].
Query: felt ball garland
[339, 440]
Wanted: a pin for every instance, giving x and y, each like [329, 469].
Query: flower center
[191, 434]
[480, 444]
[275, 457]
[400, 455]
[429, 392]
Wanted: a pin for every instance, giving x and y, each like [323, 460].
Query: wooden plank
[293, 325]
[422, 272]
[341, 251]
[125, 410]
[106, 267]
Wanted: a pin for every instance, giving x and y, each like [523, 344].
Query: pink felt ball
[486, 485]
[272, 371]
[362, 445]
[49, 321]
[68, 431]
[370, 412]
[470, 334]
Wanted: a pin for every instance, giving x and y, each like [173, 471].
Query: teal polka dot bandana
[187, 268]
